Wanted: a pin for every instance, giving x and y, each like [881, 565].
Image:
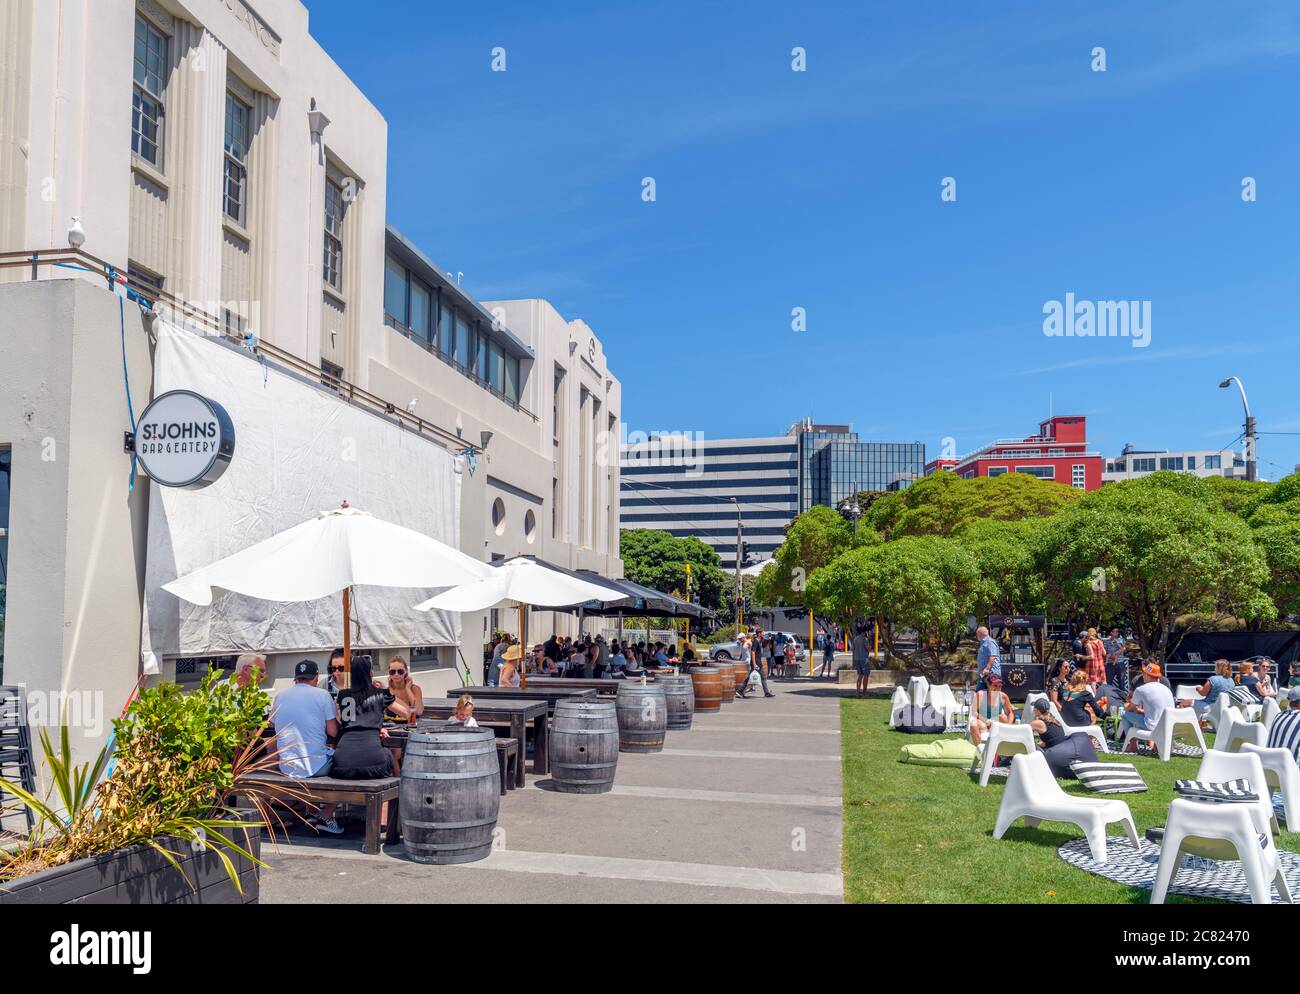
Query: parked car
[731, 650]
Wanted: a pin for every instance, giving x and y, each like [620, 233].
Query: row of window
[1078, 473]
[427, 316]
[1147, 464]
[699, 464]
[151, 68]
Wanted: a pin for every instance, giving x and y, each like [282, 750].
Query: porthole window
[499, 516]
[530, 527]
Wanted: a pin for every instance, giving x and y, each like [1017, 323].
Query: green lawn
[919, 834]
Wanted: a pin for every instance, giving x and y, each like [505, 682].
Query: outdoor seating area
[941, 834]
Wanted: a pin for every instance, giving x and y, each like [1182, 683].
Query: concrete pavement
[743, 808]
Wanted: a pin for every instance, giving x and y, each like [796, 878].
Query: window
[555, 508]
[1042, 472]
[1078, 477]
[448, 333]
[149, 79]
[1144, 465]
[1056, 452]
[421, 312]
[395, 293]
[1213, 462]
[1171, 462]
[483, 357]
[1191, 462]
[512, 378]
[331, 375]
[142, 280]
[997, 470]
[335, 208]
[555, 409]
[496, 367]
[463, 355]
[238, 118]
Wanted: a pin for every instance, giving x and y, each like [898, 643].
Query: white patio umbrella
[522, 583]
[329, 554]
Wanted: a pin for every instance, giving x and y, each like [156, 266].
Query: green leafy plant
[176, 759]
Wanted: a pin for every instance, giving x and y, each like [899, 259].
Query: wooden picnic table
[548, 694]
[513, 711]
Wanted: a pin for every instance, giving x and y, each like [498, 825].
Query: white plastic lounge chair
[1218, 767]
[1188, 692]
[899, 701]
[1281, 772]
[1219, 711]
[1219, 831]
[1172, 722]
[1235, 730]
[1269, 711]
[943, 701]
[1032, 793]
[1003, 740]
[918, 689]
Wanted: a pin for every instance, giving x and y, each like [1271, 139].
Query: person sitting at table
[991, 707]
[464, 713]
[1078, 706]
[660, 656]
[1218, 684]
[407, 698]
[335, 679]
[688, 656]
[617, 660]
[510, 667]
[361, 753]
[577, 665]
[1264, 687]
[250, 670]
[305, 722]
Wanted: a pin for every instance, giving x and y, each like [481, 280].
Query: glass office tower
[834, 463]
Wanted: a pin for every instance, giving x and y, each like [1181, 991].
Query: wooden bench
[370, 794]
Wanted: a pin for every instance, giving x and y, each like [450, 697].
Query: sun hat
[513, 654]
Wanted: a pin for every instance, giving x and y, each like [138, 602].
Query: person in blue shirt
[988, 661]
[1216, 685]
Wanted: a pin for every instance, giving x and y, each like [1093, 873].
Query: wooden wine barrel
[450, 794]
[642, 716]
[680, 695]
[707, 683]
[728, 681]
[584, 746]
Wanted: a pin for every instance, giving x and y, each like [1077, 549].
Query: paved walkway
[744, 807]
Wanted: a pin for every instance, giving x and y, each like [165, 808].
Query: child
[465, 711]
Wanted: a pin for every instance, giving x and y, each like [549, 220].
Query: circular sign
[184, 440]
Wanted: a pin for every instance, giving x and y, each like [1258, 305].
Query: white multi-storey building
[1133, 463]
[221, 165]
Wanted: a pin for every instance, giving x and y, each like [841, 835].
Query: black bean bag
[920, 719]
[1077, 748]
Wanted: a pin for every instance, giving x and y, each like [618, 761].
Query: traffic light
[745, 558]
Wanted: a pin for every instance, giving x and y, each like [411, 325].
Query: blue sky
[821, 189]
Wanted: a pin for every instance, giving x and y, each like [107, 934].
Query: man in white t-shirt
[1147, 702]
[305, 718]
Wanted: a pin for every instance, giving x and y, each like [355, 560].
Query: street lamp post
[740, 620]
[855, 509]
[1250, 427]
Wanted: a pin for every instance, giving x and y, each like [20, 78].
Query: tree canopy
[657, 559]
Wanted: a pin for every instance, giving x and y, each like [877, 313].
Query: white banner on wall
[300, 450]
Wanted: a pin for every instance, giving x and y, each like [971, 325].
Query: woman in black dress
[360, 753]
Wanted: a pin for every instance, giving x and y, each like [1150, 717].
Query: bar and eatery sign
[183, 439]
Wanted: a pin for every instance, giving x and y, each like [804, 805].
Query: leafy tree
[813, 539]
[944, 504]
[1147, 550]
[1005, 555]
[657, 559]
[926, 586]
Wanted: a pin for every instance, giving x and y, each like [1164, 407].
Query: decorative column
[198, 165]
[317, 122]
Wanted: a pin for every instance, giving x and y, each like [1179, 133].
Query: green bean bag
[942, 752]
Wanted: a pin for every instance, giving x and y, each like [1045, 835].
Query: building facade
[227, 172]
[1133, 463]
[702, 488]
[1058, 452]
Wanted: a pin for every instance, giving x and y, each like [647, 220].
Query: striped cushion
[1243, 695]
[1109, 778]
[1233, 791]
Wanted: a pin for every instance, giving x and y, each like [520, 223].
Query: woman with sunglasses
[407, 698]
[335, 680]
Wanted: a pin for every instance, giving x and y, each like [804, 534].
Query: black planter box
[142, 875]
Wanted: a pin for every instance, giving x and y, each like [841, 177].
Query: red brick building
[1058, 452]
